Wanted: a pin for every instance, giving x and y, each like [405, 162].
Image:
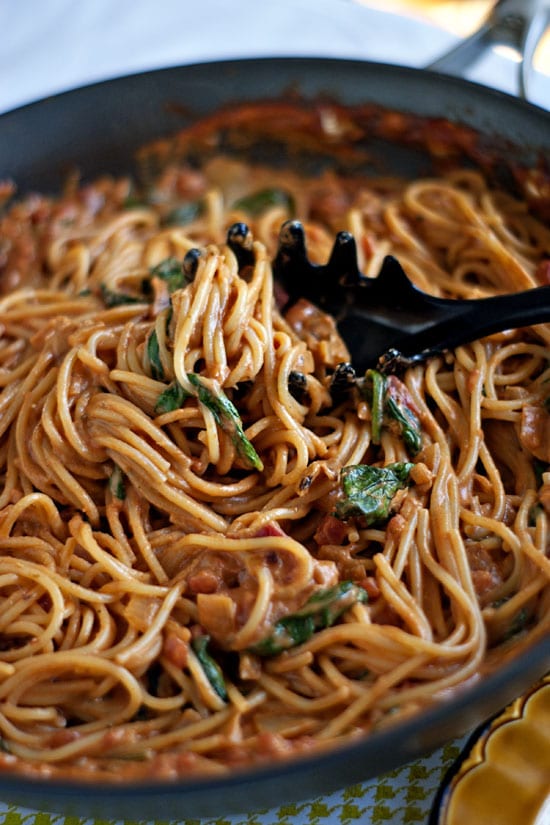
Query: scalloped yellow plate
[503, 775]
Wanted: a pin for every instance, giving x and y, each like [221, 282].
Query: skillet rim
[274, 59]
[462, 101]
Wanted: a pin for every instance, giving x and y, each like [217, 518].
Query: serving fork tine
[387, 321]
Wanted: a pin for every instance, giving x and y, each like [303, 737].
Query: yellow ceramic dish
[503, 776]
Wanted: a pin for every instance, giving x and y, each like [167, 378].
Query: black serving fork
[387, 322]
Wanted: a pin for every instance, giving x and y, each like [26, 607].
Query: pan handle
[518, 24]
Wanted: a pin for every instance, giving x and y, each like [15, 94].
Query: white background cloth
[53, 45]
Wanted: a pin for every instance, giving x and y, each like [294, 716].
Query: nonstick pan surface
[97, 129]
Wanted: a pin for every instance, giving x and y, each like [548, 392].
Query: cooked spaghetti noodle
[190, 577]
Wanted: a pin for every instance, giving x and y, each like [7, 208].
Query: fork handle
[481, 317]
[516, 23]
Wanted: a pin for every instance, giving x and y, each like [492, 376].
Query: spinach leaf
[135, 202]
[184, 213]
[410, 426]
[228, 419]
[518, 624]
[171, 271]
[172, 398]
[377, 396]
[385, 404]
[321, 610]
[258, 202]
[369, 491]
[115, 299]
[153, 356]
[211, 668]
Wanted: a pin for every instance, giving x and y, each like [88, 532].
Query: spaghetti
[210, 550]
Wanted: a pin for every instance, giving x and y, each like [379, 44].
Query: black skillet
[97, 129]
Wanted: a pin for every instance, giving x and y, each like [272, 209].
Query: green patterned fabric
[400, 797]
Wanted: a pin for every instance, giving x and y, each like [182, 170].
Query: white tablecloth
[53, 45]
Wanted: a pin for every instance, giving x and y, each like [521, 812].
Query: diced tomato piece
[331, 531]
